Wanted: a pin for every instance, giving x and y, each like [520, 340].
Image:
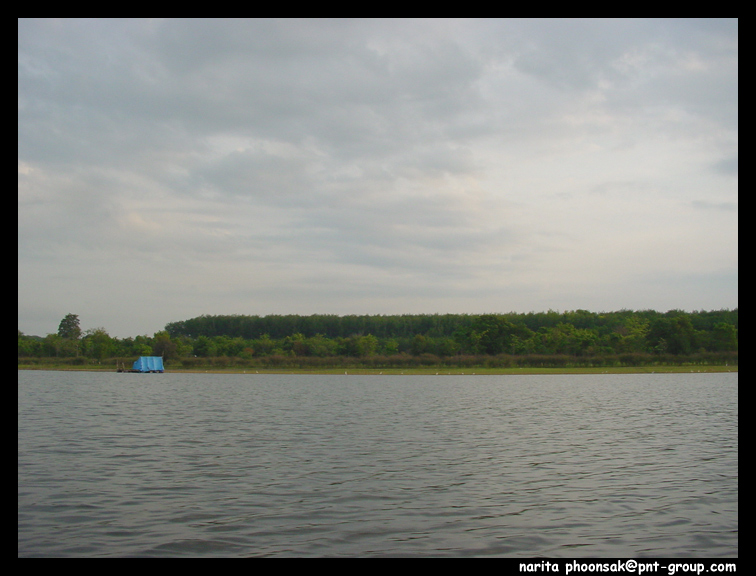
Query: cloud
[728, 166]
[363, 166]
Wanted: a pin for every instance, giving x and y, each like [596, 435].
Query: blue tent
[149, 364]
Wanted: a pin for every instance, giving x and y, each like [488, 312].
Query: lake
[201, 465]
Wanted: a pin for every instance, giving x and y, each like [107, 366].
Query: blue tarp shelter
[149, 364]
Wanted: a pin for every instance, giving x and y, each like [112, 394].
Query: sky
[172, 168]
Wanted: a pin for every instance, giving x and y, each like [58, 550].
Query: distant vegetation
[542, 339]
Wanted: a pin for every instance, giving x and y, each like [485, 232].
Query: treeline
[550, 338]
[575, 333]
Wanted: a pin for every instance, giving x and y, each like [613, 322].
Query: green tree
[446, 347]
[296, 344]
[321, 346]
[141, 346]
[634, 334]
[69, 329]
[366, 345]
[421, 345]
[28, 346]
[264, 345]
[54, 345]
[183, 346]
[204, 347]
[565, 339]
[675, 335]
[494, 334]
[98, 344]
[391, 346]
[724, 337]
[162, 345]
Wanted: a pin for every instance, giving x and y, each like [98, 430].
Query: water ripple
[209, 465]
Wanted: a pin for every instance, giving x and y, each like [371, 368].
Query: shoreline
[662, 369]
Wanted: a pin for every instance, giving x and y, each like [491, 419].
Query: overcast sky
[173, 168]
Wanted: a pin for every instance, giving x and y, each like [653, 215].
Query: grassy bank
[430, 371]
[477, 371]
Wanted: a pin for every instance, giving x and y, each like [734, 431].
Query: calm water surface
[296, 465]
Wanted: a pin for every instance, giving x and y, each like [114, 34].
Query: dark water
[294, 465]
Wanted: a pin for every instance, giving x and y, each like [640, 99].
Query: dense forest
[576, 337]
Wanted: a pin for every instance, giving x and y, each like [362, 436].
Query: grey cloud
[577, 53]
[724, 206]
[256, 174]
[728, 166]
[317, 151]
